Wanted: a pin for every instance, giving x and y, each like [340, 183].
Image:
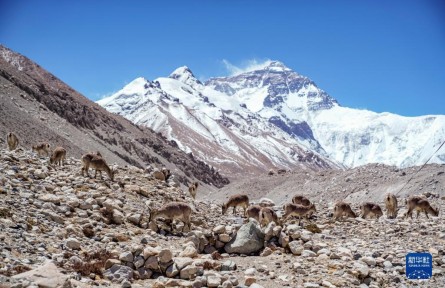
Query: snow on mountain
[273, 117]
[219, 130]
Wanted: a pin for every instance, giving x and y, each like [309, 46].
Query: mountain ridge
[276, 97]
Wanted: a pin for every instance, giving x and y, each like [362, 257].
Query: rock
[227, 284]
[255, 285]
[182, 262]
[294, 231]
[308, 253]
[387, 264]
[46, 275]
[225, 238]
[126, 256]
[118, 273]
[249, 280]
[362, 269]
[266, 202]
[369, 260]
[172, 271]
[126, 284]
[118, 217]
[129, 188]
[72, 243]
[250, 272]
[165, 256]
[110, 262]
[220, 229]
[310, 285]
[151, 251]
[269, 231]
[248, 239]
[228, 265]
[139, 261]
[189, 272]
[144, 273]
[213, 281]
[266, 252]
[296, 248]
[189, 251]
[152, 263]
[135, 218]
[341, 251]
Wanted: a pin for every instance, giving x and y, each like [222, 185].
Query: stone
[220, 229]
[308, 253]
[152, 263]
[182, 262]
[296, 248]
[255, 285]
[228, 265]
[172, 271]
[266, 252]
[129, 188]
[119, 273]
[189, 251]
[362, 269]
[248, 239]
[227, 284]
[369, 260]
[126, 256]
[213, 281]
[249, 280]
[151, 251]
[135, 218]
[310, 285]
[125, 284]
[139, 261]
[294, 231]
[341, 251]
[250, 272]
[110, 262]
[189, 272]
[144, 273]
[72, 243]
[118, 217]
[225, 238]
[46, 275]
[165, 256]
[266, 202]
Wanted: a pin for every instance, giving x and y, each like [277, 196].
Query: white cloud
[245, 66]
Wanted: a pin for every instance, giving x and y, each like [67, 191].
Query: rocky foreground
[61, 229]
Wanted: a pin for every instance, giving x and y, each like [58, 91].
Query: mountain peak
[276, 66]
[185, 75]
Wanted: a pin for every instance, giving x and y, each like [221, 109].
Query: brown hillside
[38, 106]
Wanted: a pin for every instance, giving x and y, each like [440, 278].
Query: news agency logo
[419, 265]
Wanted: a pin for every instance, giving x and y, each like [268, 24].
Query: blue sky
[376, 55]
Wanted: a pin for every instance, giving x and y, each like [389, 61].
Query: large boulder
[47, 275]
[248, 239]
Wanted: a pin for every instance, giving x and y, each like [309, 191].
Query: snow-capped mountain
[273, 117]
[216, 128]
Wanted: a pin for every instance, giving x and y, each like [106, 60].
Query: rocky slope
[96, 232]
[39, 107]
